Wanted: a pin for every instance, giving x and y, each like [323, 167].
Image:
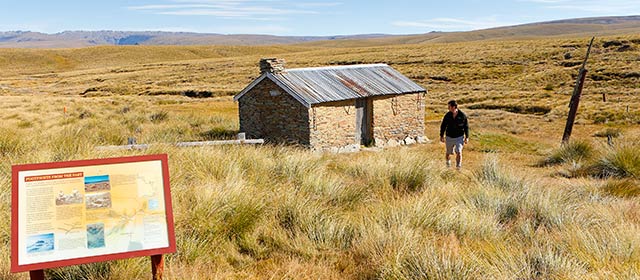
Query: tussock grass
[431, 264]
[12, 142]
[492, 174]
[622, 162]
[609, 132]
[256, 211]
[82, 272]
[622, 188]
[572, 152]
[70, 143]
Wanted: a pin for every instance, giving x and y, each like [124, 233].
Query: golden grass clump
[572, 152]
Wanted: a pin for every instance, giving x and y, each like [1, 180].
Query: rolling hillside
[600, 26]
[75, 39]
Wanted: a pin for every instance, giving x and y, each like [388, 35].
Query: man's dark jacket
[454, 127]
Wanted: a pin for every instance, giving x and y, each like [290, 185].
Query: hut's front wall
[333, 125]
[268, 112]
[397, 117]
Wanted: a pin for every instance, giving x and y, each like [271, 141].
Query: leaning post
[575, 97]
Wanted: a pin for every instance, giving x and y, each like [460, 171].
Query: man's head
[453, 106]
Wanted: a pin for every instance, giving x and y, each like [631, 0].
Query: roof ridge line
[354, 66]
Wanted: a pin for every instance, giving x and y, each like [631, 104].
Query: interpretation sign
[68, 213]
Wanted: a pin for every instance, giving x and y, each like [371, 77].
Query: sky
[296, 17]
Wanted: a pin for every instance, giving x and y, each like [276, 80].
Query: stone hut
[335, 108]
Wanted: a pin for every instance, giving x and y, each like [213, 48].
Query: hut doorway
[364, 121]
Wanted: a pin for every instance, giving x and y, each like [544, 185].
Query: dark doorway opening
[364, 121]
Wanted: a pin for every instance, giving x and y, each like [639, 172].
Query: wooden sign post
[36, 274]
[77, 212]
[157, 266]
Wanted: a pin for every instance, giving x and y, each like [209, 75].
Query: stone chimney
[271, 65]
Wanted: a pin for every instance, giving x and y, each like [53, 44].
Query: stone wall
[333, 125]
[396, 117]
[276, 119]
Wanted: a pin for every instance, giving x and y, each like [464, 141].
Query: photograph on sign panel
[98, 200]
[97, 183]
[95, 235]
[75, 197]
[40, 243]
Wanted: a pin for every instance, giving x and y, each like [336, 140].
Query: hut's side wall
[396, 117]
[276, 119]
[333, 125]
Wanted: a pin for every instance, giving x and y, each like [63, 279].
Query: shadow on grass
[219, 133]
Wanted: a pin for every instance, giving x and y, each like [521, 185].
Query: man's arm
[443, 127]
[466, 129]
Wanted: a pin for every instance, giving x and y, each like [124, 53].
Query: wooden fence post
[575, 98]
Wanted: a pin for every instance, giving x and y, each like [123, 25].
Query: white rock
[379, 142]
[422, 139]
[350, 149]
[409, 141]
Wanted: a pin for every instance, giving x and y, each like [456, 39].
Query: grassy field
[521, 208]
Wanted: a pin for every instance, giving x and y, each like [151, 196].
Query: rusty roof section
[326, 84]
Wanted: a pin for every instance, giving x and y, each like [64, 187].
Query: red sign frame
[15, 169]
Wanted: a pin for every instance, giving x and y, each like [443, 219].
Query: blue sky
[296, 17]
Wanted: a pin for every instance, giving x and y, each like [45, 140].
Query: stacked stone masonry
[398, 117]
[268, 112]
[333, 124]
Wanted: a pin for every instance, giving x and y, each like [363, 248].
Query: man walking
[456, 126]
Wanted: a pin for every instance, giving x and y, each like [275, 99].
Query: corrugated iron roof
[326, 84]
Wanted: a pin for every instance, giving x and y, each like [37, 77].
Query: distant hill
[71, 39]
[581, 27]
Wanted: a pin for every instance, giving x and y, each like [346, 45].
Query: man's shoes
[448, 163]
